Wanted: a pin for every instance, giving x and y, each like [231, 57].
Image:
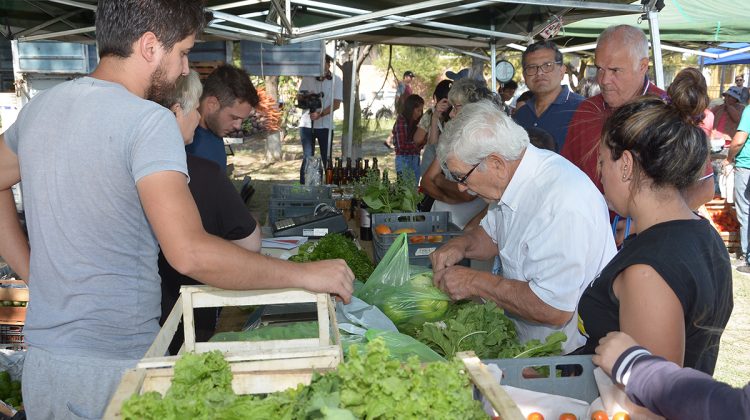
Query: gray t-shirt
[94, 284]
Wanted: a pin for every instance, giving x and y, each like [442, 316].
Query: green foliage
[428, 64]
[295, 330]
[383, 196]
[488, 332]
[336, 245]
[370, 384]
[10, 390]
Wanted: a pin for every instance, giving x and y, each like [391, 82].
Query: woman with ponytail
[407, 149]
[670, 286]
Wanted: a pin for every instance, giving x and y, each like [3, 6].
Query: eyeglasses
[739, 80]
[532, 69]
[460, 179]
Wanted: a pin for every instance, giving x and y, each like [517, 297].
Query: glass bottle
[329, 172]
[375, 166]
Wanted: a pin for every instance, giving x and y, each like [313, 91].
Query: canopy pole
[493, 59]
[653, 23]
[333, 99]
[352, 99]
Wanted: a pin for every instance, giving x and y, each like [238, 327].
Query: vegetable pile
[368, 385]
[336, 245]
[383, 196]
[10, 391]
[414, 303]
[488, 332]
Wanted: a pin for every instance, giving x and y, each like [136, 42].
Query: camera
[309, 100]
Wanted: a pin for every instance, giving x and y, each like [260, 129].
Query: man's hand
[455, 281]
[447, 255]
[330, 276]
[314, 116]
[610, 348]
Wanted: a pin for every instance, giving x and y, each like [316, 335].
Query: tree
[349, 96]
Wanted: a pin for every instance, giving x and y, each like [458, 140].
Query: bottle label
[364, 218]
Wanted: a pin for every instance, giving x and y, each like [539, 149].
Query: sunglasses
[460, 179]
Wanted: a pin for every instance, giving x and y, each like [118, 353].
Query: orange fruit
[382, 229]
[435, 238]
[621, 415]
[535, 416]
[416, 239]
[568, 416]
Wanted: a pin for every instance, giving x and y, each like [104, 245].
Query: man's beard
[160, 89]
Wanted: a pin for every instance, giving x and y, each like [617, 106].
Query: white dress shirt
[552, 230]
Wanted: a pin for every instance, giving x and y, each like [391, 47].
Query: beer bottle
[329, 172]
[357, 170]
[366, 170]
[348, 171]
[338, 173]
[375, 166]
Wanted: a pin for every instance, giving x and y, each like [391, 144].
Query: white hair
[480, 129]
[187, 92]
[633, 40]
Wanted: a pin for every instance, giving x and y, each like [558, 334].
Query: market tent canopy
[741, 58]
[680, 21]
[462, 24]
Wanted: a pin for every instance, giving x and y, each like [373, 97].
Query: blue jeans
[741, 196]
[408, 162]
[308, 137]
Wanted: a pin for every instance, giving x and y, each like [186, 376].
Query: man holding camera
[318, 106]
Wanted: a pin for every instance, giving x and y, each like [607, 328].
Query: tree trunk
[273, 140]
[346, 69]
[477, 69]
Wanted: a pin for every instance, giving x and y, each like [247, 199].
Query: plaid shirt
[404, 143]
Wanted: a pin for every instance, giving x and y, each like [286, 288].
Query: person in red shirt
[407, 149]
[621, 60]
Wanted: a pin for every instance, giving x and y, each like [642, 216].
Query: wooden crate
[258, 367]
[13, 315]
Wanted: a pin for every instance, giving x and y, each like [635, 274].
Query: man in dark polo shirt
[553, 104]
[621, 60]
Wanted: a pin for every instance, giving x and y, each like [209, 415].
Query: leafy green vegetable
[368, 385]
[488, 332]
[306, 329]
[382, 196]
[336, 245]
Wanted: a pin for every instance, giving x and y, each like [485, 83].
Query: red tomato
[599, 415]
[568, 416]
[535, 416]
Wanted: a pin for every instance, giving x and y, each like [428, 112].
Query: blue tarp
[743, 58]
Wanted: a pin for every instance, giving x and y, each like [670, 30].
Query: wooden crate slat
[490, 388]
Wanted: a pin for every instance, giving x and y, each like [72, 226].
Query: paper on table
[287, 242]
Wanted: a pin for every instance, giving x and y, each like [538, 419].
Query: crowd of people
[138, 142]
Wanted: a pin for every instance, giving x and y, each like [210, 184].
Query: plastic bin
[582, 386]
[432, 224]
[297, 200]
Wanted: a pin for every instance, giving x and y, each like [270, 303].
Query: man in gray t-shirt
[104, 178]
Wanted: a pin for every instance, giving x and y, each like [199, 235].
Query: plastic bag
[401, 346]
[404, 292]
[313, 171]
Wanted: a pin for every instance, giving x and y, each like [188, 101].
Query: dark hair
[510, 84]
[228, 83]
[410, 104]
[688, 91]
[524, 97]
[542, 45]
[666, 144]
[541, 138]
[120, 23]
[442, 89]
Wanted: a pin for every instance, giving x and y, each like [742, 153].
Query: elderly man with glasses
[551, 246]
[553, 104]
[739, 81]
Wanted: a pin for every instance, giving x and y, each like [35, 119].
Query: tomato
[405, 230]
[621, 415]
[535, 416]
[435, 238]
[382, 229]
[416, 239]
[599, 415]
[568, 416]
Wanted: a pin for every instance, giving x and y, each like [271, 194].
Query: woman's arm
[650, 312]
[665, 388]
[436, 186]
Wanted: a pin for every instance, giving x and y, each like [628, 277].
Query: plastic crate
[582, 387]
[435, 224]
[11, 337]
[297, 200]
[301, 192]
